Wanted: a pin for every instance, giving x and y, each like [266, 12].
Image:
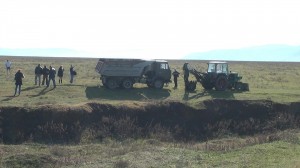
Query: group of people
[49, 75]
[44, 76]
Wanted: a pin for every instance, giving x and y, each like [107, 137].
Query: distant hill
[278, 52]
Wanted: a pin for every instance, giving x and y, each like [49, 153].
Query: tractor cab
[217, 67]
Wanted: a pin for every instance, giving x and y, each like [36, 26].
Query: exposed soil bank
[163, 120]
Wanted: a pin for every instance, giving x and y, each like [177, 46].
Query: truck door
[163, 71]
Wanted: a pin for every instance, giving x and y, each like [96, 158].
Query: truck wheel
[112, 84]
[103, 83]
[158, 84]
[149, 85]
[221, 83]
[127, 84]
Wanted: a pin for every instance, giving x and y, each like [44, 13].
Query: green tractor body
[219, 77]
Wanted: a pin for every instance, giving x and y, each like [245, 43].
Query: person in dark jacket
[72, 73]
[186, 73]
[45, 75]
[60, 74]
[38, 73]
[175, 76]
[52, 73]
[18, 78]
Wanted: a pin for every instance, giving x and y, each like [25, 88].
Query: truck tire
[158, 84]
[221, 83]
[111, 84]
[127, 84]
[150, 85]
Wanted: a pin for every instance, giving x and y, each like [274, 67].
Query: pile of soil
[163, 120]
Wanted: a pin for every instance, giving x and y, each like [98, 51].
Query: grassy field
[278, 82]
[257, 151]
[272, 81]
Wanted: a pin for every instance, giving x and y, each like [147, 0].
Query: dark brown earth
[167, 121]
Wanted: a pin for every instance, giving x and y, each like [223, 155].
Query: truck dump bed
[122, 67]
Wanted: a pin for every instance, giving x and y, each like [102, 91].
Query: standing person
[7, 65]
[72, 73]
[60, 74]
[45, 72]
[18, 78]
[186, 73]
[175, 76]
[38, 73]
[52, 74]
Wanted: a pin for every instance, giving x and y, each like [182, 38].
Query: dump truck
[217, 76]
[124, 73]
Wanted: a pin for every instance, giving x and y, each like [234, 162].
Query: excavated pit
[167, 121]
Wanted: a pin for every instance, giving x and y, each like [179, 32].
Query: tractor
[217, 76]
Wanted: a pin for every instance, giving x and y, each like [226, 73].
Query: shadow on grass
[214, 94]
[43, 92]
[69, 84]
[8, 98]
[124, 94]
[30, 88]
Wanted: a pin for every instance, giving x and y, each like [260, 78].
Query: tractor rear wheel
[221, 83]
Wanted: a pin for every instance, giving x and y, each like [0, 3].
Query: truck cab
[158, 73]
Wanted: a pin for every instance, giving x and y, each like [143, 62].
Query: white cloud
[164, 28]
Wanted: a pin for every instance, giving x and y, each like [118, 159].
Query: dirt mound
[163, 120]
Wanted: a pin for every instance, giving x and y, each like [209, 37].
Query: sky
[168, 29]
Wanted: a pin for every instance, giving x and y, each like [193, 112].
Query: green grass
[272, 81]
[254, 151]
